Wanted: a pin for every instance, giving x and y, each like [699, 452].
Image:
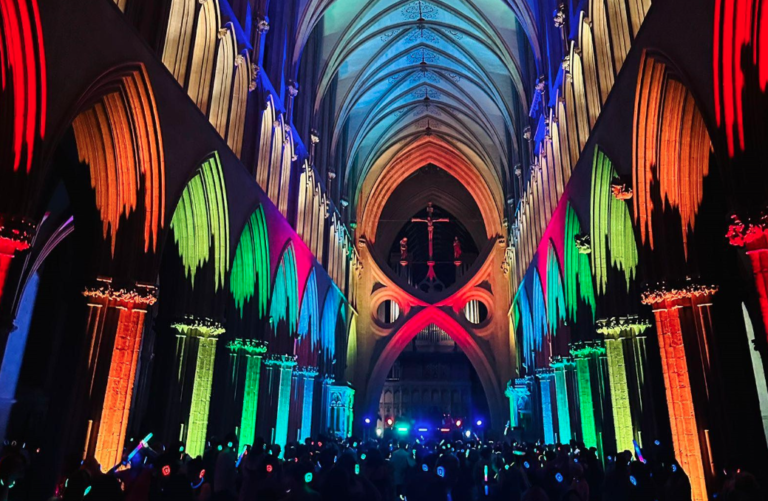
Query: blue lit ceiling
[398, 70]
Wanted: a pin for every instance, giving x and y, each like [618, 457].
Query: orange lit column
[115, 329]
[682, 317]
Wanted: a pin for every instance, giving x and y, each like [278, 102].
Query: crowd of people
[416, 469]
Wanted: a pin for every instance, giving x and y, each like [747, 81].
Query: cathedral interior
[522, 221]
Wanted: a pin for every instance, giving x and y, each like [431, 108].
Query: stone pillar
[340, 401]
[253, 351]
[684, 327]
[309, 374]
[545, 386]
[509, 392]
[206, 332]
[617, 375]
[560, 365]
[16, 235]
[583, 353]
[115, 329]
[285, 364]
[752, 236]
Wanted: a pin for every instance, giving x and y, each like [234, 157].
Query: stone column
[582, 353]
[752, 236]
[509, 392]
[253, 351]
[115, 329]
[206, 332]
[617, 375]
[560, 365]
[309, 374]
[16, 236]
[545, 386]
[683, 317]
[285, 364]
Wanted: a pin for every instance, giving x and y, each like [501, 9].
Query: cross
[430, 232]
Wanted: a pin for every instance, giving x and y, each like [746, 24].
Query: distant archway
[409, 330]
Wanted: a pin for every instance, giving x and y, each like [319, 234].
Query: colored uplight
[577, 268]
[166, 470]
[201, 220]
[559, 477]
[308, 478]
[467, 433]
[555, 293]
[611, 224]
[250, 268]
[390, 422]
[458, 423]
[441, 471]
[479, 422]
[285, 293]
[367, 420]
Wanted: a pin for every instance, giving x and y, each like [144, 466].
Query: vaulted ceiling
[395, 71]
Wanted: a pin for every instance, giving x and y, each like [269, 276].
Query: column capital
[751, 233]
[281, 361]
[199, 327]
[307, 371]
[16, 234]
[136, 294]
[617, 327]
[248, 346]
[662, 292]
[559, 362]
[545, 373]
[585, 349]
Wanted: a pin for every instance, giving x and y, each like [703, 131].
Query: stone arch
[409, 330]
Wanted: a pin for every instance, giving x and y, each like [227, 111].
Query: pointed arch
[285, 293]
[309, 320]
[250, 273]
[22, 70]
[555, 293]
[223, 77]
[331, 311]
[268, 124]
[242, 86]
[611, 226]
[120, 138]
[178, 38]
[204, 54]
[200, 223]
[446, 322]
[577, 268]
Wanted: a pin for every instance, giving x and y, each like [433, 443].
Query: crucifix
[430, 233]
